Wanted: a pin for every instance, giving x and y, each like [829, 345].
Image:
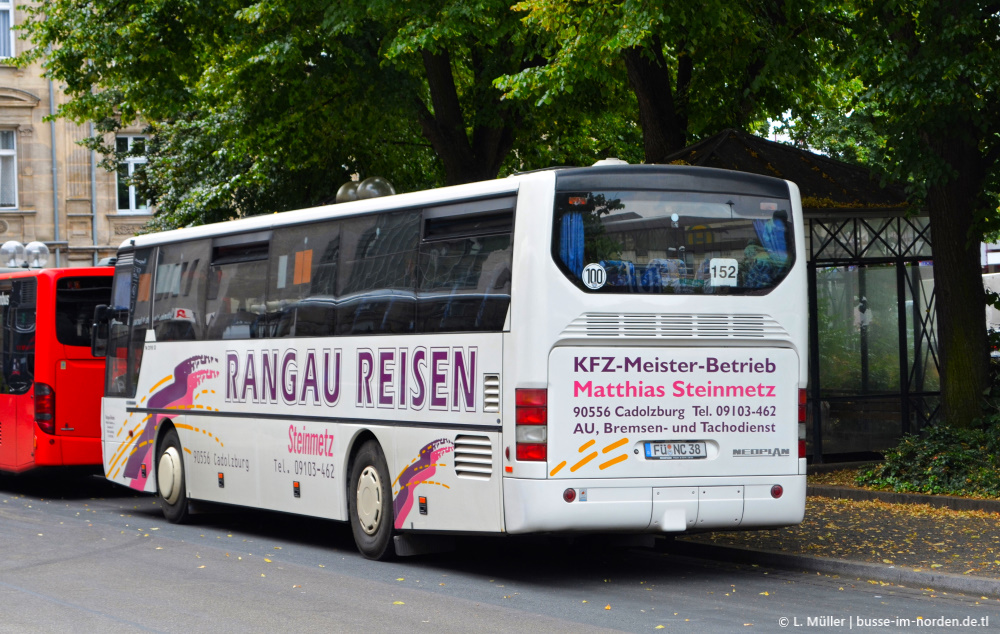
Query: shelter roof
[825, 184]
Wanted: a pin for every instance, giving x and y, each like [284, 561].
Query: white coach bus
[616, 348]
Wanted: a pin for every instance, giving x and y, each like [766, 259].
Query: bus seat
[621, 273]
[663, 272]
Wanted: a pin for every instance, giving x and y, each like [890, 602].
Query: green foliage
[942, 460]
[257, 107]
[732, 64]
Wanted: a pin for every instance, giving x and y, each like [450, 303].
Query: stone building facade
[51, 188]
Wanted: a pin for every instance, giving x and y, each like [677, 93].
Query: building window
[6, 32]
[8, 169]
[134, 148]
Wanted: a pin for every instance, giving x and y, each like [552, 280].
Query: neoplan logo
[761, 453]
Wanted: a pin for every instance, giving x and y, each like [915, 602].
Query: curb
[939, 501]
[948, 582]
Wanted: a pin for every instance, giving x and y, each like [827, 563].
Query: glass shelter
[873, 347]
[874, 371]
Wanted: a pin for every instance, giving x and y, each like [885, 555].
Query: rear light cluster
[45, 408]
[802, 423]
[531, 424]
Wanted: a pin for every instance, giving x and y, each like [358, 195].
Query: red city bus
[50, 383]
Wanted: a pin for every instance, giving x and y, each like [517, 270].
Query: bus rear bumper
[652, 505]
[53, 451]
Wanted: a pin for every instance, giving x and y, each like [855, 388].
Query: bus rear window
[660, 242]
[76, 298]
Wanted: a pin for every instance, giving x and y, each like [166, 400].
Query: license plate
[675, 451]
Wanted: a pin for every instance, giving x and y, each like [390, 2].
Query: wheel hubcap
[369, 500]
[168, 475]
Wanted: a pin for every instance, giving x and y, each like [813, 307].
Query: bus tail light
[531, 420]
[802, 406]
[45, 408]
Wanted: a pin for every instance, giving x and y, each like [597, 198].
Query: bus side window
[465, 268]
[179, 296]
[377, 274]
[302, 281]
[234, 306]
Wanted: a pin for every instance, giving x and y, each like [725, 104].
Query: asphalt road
[78, 554]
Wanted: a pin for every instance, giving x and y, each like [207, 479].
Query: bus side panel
[121, 437]
[447, 480]
[304, 465]
[220, 457]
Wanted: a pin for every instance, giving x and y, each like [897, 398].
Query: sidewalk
[941, 542]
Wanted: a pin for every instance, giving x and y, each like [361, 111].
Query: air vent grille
[473, 457]
[674, 326]
[491, 393]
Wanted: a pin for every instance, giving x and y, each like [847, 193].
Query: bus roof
[619, 176]
[7, 272]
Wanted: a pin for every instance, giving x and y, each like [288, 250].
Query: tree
[272, 105]
[694, 68]
[931, 70]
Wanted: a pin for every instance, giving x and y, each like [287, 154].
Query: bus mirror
[99, 334]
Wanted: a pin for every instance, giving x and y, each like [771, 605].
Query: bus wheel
[170, 478]
[369, 502]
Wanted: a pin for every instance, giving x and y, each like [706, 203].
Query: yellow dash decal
[408, 484]
[558, 468]
[188, 450]
[183, 426]
[615, 445]
[587, 445]
[584, 461]
[614, 461]
[147, 417]
[121, 452]
[162, 381]
[142, 400]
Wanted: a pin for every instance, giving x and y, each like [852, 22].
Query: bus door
[79, 376]
[8, 413]
[17, 365]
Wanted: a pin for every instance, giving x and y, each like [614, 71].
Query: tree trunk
[445, 128]
[963, 350]
[650, 81]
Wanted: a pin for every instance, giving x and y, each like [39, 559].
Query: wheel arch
[165, 425]
[385, 441]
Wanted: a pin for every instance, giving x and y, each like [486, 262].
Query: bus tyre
[369, 502]
[170, 481]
